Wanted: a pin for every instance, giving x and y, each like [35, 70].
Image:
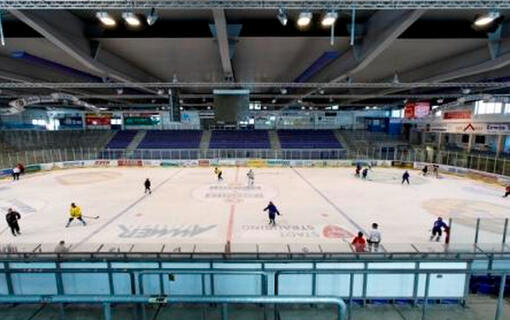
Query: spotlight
[321, 91]
[485, 19]
[160, 92]
[152, 17]
[304, 19]
[131, 19]
[283, 91]
[273, 101]
[329, 19]
[105, 18]
[120, 91]
[282, 17]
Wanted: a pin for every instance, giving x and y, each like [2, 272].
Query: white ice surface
[318, 206]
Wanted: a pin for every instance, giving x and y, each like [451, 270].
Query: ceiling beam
[71, 40]
[382, 29]
[455, 67]
[220, 23]
[252, 85]
[255, 4]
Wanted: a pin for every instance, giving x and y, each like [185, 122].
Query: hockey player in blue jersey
[272, 211]
[437, 229]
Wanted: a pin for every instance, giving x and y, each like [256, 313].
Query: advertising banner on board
[5, 172]
[278, 163]
[257, 163]
[457, 114]
[129, 163]
[203, 163]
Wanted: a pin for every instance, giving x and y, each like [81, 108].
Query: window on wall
[399, 113]
[507, 107]
[480, 139]
[482, 107]
[39, 122]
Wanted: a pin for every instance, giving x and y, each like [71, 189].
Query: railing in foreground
[295, 251]
[479, 162]
[107, 301]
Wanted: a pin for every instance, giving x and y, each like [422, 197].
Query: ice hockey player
[405, 177]
[358, 169]
[75, 213]
[15, 173]
[359, 243]
[218, 173]
[435, 169]
[271, 208]
[364, 173]
[374, 238]
[12, 218]
[507, 191]
[147, 185]
[437, 229]
[251, 177]
[425, 170]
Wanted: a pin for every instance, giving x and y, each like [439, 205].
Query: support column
[470, 142]
[500, 145]
[439, 140]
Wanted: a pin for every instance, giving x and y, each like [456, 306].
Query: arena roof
[380, 52]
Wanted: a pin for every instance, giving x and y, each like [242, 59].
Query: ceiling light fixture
[131, 19]
[282, 16]
[152, 17]
[105, 18]
[329, 18]
[304, 19]
[485, 19]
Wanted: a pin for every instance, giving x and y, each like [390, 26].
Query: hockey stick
[90, 217]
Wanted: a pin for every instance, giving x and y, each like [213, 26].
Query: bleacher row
[227, 139]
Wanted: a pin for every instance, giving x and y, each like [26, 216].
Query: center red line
[230, 225]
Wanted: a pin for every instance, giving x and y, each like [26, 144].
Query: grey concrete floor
[478, 308]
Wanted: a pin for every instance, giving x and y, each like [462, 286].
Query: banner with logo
[415, 110]
[457, 114]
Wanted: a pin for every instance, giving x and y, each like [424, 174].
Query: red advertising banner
[92, 119]
[416, 110]
[457, 114]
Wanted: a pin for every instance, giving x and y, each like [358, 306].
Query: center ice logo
[234, 193]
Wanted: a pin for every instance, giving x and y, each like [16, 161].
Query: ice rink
[319, 206]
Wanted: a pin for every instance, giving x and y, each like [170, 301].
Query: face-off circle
[466, 212]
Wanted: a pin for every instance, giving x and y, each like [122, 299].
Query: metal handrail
[147, 299]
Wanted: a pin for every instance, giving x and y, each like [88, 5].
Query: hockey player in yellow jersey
[218, 173]
[75, 213]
